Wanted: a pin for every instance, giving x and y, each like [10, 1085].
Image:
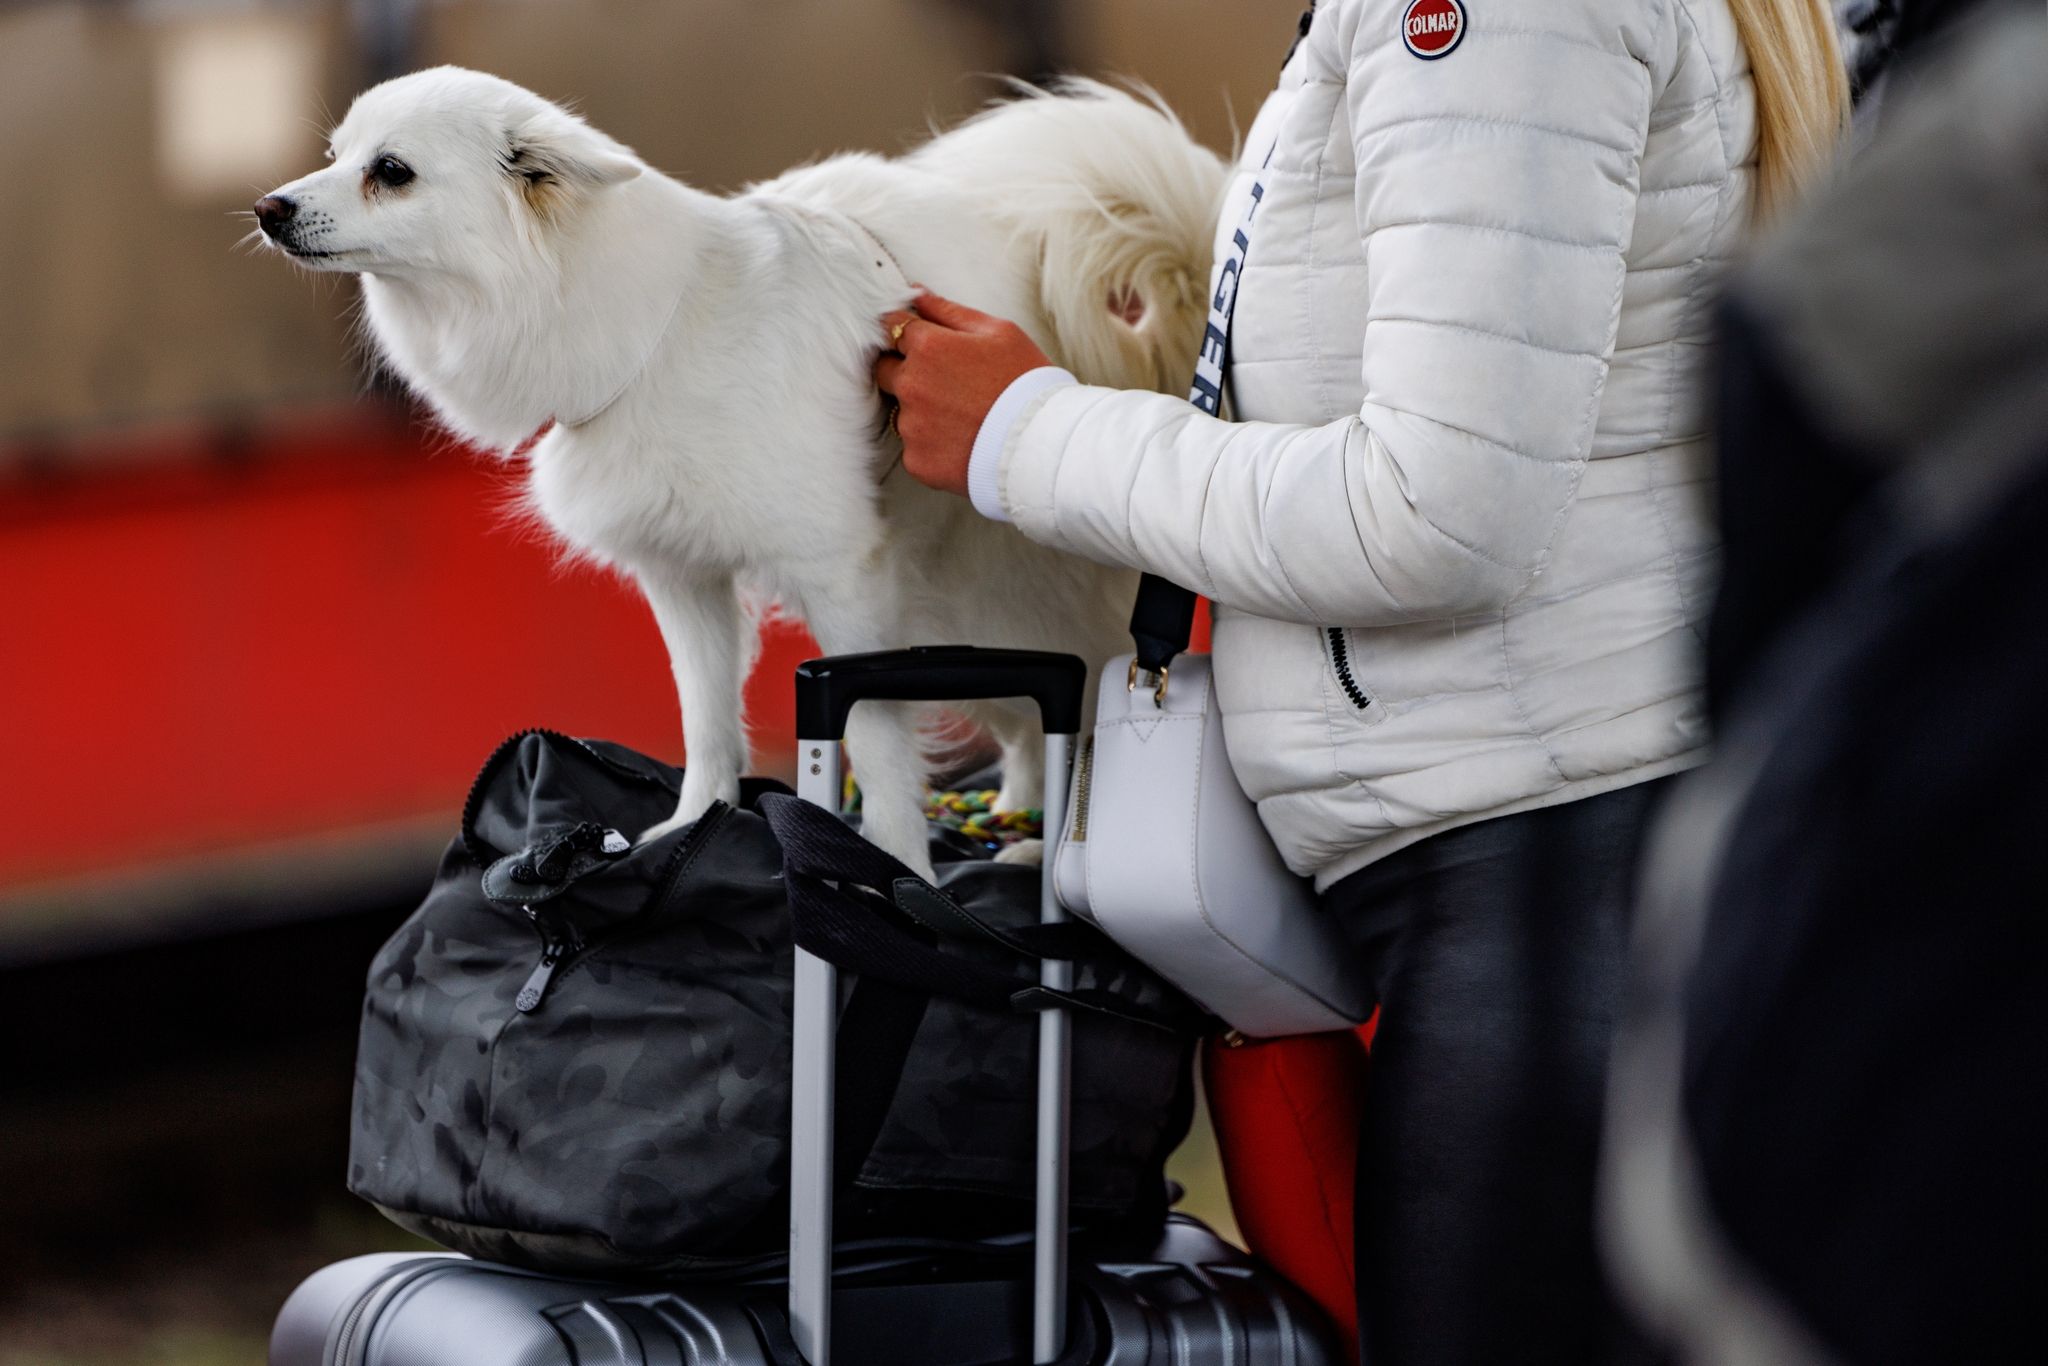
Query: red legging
[1286, 1116]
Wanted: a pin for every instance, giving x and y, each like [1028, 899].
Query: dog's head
[444, 171]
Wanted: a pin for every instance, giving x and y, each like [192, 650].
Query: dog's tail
[1117, 205]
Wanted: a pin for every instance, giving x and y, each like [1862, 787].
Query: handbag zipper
[562, 946]
[1084, 771]
[1340, 659]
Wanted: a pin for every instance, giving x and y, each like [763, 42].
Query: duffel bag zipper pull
[554, 950]
[536, 986]
[543, 971]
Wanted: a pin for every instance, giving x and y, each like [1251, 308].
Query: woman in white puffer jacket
[1460, 548]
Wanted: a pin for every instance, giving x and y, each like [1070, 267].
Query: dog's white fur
[707, 365]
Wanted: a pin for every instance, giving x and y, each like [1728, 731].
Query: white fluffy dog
[706, 364]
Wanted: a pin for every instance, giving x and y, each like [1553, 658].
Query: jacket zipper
[562, 946]
[1340, 659]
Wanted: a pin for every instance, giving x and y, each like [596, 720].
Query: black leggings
[1498, 951]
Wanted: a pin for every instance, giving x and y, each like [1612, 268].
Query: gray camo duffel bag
[575, 1055]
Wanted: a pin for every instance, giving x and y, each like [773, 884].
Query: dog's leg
[1017, 730]
[1023, 766]
[705, 629]
[888, 763]
[850, 611]
[1023, 780]
[1025, 792]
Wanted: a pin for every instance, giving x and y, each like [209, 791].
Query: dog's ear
[560, 156]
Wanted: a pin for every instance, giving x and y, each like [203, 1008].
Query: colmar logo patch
[1433, 28]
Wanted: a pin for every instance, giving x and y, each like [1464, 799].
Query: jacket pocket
[1343, 656]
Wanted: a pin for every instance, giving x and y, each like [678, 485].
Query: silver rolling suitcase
[1193, 1301]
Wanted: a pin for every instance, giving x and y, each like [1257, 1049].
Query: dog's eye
[390, 172]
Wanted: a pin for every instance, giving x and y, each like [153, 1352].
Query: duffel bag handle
[819, 850]
[816, 842]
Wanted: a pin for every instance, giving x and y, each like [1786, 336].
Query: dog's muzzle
[274, 214]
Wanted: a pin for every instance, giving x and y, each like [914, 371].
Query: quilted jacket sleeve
[1496, 194]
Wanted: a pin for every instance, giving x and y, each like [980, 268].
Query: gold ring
[896, 332]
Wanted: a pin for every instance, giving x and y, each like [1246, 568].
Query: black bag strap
[1162, 621]
[872, 1049]
[1163, 618]
[845, 909]
[821, 845]
[817, 844]
[861, 938]
[1070, 940]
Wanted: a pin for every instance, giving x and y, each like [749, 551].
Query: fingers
[888, 373]
[895, 326]
[901, 328]
[959, 317]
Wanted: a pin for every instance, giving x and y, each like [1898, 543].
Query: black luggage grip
[826, 689]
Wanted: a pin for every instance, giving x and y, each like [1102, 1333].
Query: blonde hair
[1802, 93]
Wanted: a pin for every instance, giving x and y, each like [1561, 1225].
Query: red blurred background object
[320, 629]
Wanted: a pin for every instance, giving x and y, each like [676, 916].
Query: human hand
[948, 365]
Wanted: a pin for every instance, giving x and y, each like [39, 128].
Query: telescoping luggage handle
[826, 691]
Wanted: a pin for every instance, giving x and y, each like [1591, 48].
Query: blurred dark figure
[1794, 482]
[1877, 34]
[1828, 1115]
[1789, 487]
[1034, 32]
[386, 38]
[1788, 490]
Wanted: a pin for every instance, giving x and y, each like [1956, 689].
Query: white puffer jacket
[1461, 541]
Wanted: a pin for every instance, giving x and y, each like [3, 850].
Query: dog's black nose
[273, 211]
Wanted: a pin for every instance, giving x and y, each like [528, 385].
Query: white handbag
[1161, 847]
[1163, 851]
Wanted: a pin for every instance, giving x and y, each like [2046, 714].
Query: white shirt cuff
[984, 465]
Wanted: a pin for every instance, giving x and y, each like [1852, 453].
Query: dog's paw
[684, 816]
[1026, 853]
[667, 827]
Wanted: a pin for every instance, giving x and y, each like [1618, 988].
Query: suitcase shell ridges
[1195, 1302]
